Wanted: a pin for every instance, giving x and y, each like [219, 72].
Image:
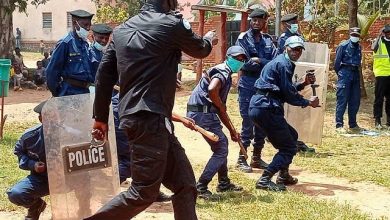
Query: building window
[47, 20]
[68, 20]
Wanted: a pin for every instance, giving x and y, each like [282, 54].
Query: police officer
[274, 87]
[69, 69]
[381, 48]
[143, 55]
[259, 49]
[291, 27]
[101, 36]
[30, 149]
[208, 102]
[347, 64]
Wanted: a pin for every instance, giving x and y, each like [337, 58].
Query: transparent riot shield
[309, 121]
[83, 175]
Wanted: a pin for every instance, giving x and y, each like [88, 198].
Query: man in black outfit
[143, 56]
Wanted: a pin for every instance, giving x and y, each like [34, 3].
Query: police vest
[381, 60]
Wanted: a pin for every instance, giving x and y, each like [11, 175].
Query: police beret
[38, 108]
[258, 13]
[354, 30]
[289, 17]
[235, 51]
[101, 29]
[386, 28]
[81, 14]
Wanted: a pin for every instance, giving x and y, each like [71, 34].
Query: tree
[7, 7]
[352, 13]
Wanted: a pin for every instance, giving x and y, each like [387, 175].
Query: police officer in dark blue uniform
[143, 56]
[274, 88]
[291, 27]
[101, 36]
[69, 70]
[207, 106]
[260, 50]
[30, 149]
[347, 63]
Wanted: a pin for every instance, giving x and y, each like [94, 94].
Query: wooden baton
[209, 135]
[242, 148]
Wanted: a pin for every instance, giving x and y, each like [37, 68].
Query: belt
[269, 94]
[77, 83]
[201, 108]
[251, 74]
[349, 66]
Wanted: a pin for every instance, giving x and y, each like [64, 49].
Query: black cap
[386, 28]
[81, 14]
[38, 108]
[258, 13]
[101, 29]
[354, 30]
[289, 17]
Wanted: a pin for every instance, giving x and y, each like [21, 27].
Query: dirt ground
[368, 197]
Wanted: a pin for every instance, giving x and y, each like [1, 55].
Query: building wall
[31, 24]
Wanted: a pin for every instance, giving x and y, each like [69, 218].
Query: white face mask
[354, 39]
[82, 32]
[294, 28]
[386, 39]
[98, 46]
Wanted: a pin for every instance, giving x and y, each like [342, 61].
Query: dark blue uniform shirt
[276, 78]
[95, 56]
[30, 148]
[263, 49]
[70, 59]
[348, 54]
[282, 40]
[200, 95]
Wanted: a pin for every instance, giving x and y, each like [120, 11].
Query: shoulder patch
[186, 24]
[241, 36]
[343, 43]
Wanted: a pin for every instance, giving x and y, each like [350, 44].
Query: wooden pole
[223, 36]
[244, 21]
[199, 64]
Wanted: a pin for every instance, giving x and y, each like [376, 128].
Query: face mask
[386, 39]
[354, 39]
[288, 57]
[234, 64]
[82, 33]
[293, 28]
[98, 46]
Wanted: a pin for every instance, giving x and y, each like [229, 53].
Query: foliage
[109, 14]
[21, 5]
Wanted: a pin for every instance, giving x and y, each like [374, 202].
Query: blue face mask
[294, 28]
[98, 46]
[233, 64]
[288, 57]
[354, 39]
[82, 32]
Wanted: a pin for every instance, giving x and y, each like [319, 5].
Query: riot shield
[309, 121]
[83, 175]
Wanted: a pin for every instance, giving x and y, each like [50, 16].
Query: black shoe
[162, 197]
[378, 123]
[265, 183]
[242, 165]
[35, 211]
[203, 191]
[225, 185]
[285, 178]
[302, 147]
[258, 163]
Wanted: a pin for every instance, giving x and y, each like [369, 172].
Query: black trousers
[156, 157]
[382, 90]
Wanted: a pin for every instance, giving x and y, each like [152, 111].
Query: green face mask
[233, 64]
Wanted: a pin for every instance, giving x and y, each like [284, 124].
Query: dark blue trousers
[29, 190]
[348, 94]
[248, 130]
[281, 135]
[218, 161]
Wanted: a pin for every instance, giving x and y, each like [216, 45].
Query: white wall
[31, 24]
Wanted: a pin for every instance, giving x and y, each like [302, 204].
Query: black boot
[242, 165]
[35, 210]
[203, 191]
[225, 185]
[256, 161]
[285, 178]
[302, 147]
[266, 183]
[162, 197]
[378, 123]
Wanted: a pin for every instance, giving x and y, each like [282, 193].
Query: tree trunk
[6, 30]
